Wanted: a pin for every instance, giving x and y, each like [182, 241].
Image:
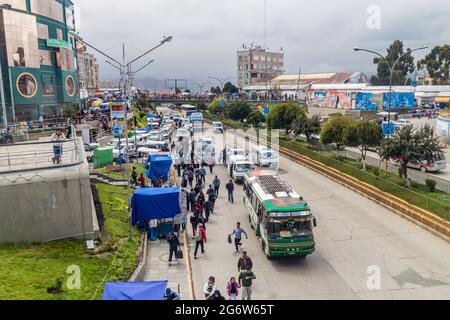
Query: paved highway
[353, 235]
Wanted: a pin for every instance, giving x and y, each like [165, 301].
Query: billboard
[364, 101]
[331, 99]
[398, 100]
[118, 111]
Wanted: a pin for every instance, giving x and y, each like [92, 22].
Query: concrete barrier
[138, 274]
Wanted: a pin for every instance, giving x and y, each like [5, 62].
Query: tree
[437, 64]
[411, 146]
[307, 126]
[363, 135]
[214, 106]
[404, 67]
[230, 88]
[282, 115]
[216, 90]
[334, 129]
[239, 111]
[256, 118]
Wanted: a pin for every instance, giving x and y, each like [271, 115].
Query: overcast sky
[315, 35]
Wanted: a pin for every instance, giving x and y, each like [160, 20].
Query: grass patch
[28, 270]
[121, 175]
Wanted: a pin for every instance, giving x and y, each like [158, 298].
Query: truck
[238, 167]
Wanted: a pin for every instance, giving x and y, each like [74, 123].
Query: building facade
[257, 64]
[88, 72]
[38, 59]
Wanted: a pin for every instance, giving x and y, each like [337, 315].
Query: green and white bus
[282, 219]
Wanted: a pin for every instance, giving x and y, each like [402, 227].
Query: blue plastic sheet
[142, 291]
[155, 204]
[159, 166]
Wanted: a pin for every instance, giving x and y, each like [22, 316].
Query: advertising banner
[117, 111]
[398, 100]
[364, 102]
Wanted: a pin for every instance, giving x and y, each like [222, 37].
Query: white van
[238, 167]
[264, 157]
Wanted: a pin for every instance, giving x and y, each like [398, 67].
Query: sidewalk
[157, 267]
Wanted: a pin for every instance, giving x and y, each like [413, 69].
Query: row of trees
[437, 63]
[407, 146]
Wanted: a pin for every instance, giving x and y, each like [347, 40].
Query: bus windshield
[288, 228]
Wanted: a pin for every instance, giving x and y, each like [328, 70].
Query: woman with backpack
[200, 240]
[233, 288]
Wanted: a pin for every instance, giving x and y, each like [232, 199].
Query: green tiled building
[38, 59]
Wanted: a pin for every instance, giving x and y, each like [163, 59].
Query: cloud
[316, 35]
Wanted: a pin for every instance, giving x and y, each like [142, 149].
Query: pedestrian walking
[216, 184]
[134, 180]
[245, 263]
[207, 207]
[171, 295]
[217, 296]
[212, 197]
[194, 223]
[237, 232]
[202, 172]
[210, 287]
[192, 195]
[233, 288]
[142, 181]
[174, 243]
[211, 167]
[200, 240]
[246, 278]
[230, 189]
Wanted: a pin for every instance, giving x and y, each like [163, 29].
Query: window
[20, 39]
[59, 34]
[45, 57]
[16, 4]
[42, 31]
[48, 85]
[70, 86]
[48, 8]
[26, 85]
[65, 59]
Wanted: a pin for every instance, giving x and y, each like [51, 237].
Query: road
[353, 234]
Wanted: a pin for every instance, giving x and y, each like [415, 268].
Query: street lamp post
[222, 83]
[126, 74]
[391, 70]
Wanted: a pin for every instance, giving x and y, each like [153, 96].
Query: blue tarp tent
[159, 166]
[152, 290]
[155, 204]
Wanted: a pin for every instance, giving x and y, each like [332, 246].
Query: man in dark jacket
[245, 263]
[174, 243]
[230, 189]
[191, 196]
[212, 198]
[207, 206]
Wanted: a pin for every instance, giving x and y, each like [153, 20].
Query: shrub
[376, 171]
[431, 185]
[360, 166]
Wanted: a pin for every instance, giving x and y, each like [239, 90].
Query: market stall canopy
[155, 204]
[141, 291]
[159, 166]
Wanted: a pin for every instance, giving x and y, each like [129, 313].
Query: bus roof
[275, 193]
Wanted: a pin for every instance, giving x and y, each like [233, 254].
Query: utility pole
[126, 76]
